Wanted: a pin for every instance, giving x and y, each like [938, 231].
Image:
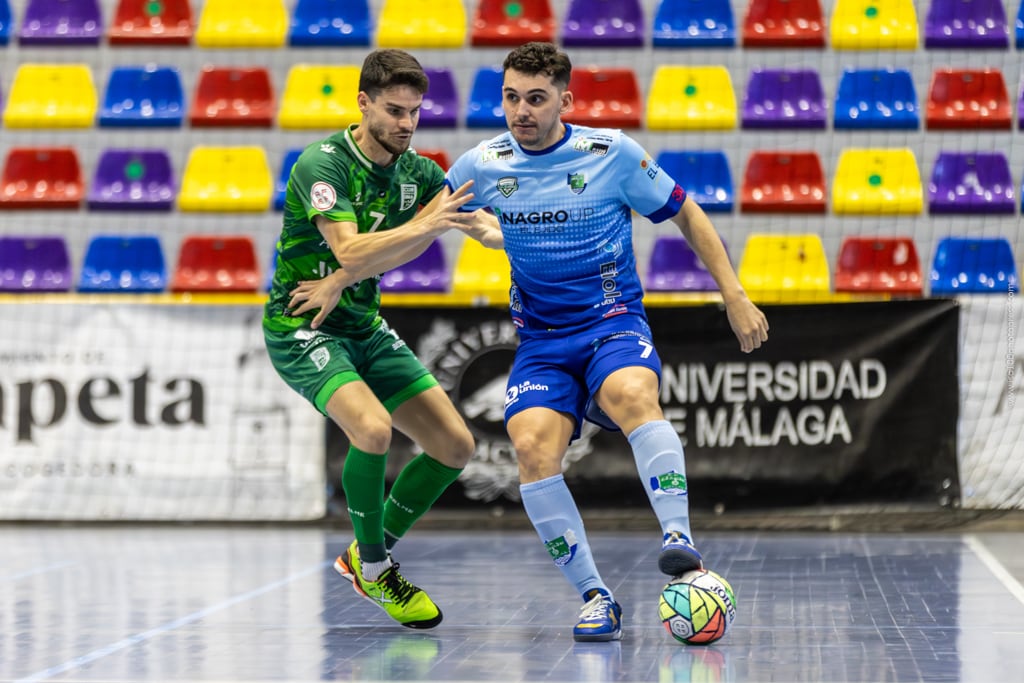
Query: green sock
[418, 486]
[362, 478]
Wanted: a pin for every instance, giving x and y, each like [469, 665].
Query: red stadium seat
[784, 23]
[438, 155]
[968, 99]
[41, 178]
[145, 22]
[215, 263]
[510, 23]
[783, 182]
[228, 96]
[605, 97]
[884, 265]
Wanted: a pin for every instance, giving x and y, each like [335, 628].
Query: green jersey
[335, 179]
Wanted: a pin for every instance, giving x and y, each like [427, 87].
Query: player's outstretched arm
[484, 228]
[748, 322]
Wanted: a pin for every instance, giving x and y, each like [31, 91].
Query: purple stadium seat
[966, 24]
[441, 101]
[674, 267]
[133, 180]
[784, 98]
[428, 272]
[603, 23]
[61, 22]
[34, 264]
[971, 183]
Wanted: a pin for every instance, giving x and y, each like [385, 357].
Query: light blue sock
[659, 460]
[553, 512]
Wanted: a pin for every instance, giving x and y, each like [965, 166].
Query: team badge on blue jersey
[508, 185]
[577, 182]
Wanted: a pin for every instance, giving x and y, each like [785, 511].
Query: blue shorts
[564, 371]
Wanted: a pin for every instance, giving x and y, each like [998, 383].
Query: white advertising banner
[151, 412]
[991, 438]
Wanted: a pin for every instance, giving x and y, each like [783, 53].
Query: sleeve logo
[322, 196]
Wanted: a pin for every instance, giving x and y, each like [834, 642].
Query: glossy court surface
[238, 603]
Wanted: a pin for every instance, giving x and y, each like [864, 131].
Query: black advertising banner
[847, 403]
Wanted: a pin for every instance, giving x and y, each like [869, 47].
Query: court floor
[244, 603]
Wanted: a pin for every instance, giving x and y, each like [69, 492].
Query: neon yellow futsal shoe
[402, 601]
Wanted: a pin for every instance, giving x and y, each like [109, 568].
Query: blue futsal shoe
[678, 555]
[600, 618]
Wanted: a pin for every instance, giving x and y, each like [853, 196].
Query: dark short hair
[385, 68]
[540, 58]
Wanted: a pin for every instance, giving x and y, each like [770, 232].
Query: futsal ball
[698, 607]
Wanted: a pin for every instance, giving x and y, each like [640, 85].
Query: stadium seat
[977, 24]
[233, 96]
[143, 96]
[874, 25]
[281, 186]
[34, 264]
[675, 267]
[411, 24]
[879, 265]
[438, 155]
[226, 179]
[123, 263]
[132, 180]
[233, 24]
[51, 96]
[693, 23]
[783, 182]
[428, 272]
[691, 98]
[510, 23]
[971, 183]
[870, 99]
[1019, 26]
[61, 22]
[151, 22]
[603, 23]
[605, 97]
[320, 97]
[968, 99]
[481, 273]
[784, 98]
[5, 22]
[330, 23]
[705, 176]
[877, 181]
[215, 263]
[785, 268]
[973, 265]
[484, 107]
[41, 178]
[784, 23]
[441, 101]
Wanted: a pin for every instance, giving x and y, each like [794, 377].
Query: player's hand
[748, 323]
[444, 211]
[310, 295]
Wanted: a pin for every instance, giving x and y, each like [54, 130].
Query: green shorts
[315, 364]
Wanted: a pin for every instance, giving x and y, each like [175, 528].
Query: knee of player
[463, 446]
[372, 434]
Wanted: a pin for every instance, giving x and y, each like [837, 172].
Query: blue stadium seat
[705, 176]
[322, 23]
[1019, 26]
[137, 96]
[281, 186]
[484, 108]
[973, 265]
[123, 263]
[876, 98]
[5, 22]
[694, 23]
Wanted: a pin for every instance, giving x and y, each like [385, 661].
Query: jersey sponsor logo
[590, 147]
[677, 194]
[541, 217]
[507, 185]
[322, 196]
[409, 192]
[327, 148]
[496, 155]
[577, 182]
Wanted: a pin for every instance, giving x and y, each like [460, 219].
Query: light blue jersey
[565, 214]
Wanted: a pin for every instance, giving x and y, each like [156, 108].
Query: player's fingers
[319, 318]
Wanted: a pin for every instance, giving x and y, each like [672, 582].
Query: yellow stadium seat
[320, 97]
[51, 96]
[481, 273]
[691, 98]
[414, 23]
[874, 25]
[877, 182]
[785, 268]
[226, 179]
[251, 23]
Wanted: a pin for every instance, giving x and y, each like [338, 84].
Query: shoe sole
[676, 562]
[598, 638]
[344, 570]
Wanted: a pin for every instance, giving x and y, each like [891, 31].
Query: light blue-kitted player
[562, 196]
